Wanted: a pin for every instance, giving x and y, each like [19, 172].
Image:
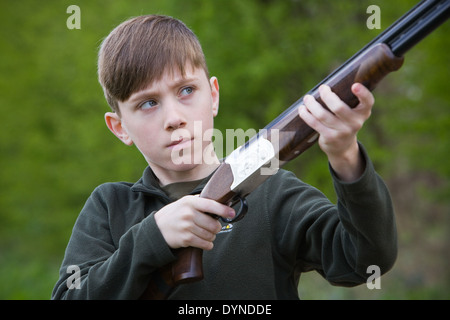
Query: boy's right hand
[184, 223]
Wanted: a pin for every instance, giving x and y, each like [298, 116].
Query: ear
[114, 123]
[215, 95]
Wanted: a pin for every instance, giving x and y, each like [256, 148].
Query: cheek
[144, 136]
[208, 129]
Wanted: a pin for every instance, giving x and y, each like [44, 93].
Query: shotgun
[288, 135]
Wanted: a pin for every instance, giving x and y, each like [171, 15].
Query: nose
[173, 116]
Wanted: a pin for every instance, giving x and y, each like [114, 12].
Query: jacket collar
[148, 183]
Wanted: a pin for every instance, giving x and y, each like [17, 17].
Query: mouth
[180, 143]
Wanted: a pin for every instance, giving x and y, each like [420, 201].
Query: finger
[205, 234]
[194, 233]
[204, 231]
[319, 118]
[317, 110]
[364, 96]
[310, 120]
[197, 242]
[207, 223]
[338, 107]
[213, 207]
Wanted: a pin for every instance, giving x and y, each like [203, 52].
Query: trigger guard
[240, 214]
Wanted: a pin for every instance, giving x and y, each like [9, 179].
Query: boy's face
[171, 123]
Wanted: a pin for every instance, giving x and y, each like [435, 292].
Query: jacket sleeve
[107, 270]
[339, 240]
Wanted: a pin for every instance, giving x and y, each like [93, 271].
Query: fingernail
[231, 213]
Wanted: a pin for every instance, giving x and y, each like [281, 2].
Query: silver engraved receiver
[251, 163]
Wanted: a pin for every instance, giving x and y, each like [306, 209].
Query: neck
[186, 172]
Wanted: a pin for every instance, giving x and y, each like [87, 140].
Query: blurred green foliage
[55, 148]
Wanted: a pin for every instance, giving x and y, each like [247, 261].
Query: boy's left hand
[338, 128]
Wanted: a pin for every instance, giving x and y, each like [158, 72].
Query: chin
[185, 159]
[183, 167]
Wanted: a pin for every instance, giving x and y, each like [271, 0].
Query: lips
[180, 142]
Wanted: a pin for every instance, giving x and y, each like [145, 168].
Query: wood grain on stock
[218, 187]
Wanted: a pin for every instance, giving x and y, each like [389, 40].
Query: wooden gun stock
[368, 67]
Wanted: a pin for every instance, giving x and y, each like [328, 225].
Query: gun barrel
[424, 22]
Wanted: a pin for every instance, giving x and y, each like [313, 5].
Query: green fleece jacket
[290, 228]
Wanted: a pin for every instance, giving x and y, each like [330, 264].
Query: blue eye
[187, 91]
[148, 105]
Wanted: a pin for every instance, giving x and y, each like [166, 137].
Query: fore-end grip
[368, 69]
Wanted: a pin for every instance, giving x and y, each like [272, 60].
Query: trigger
[242, 210]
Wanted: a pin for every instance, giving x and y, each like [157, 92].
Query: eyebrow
[142, 94]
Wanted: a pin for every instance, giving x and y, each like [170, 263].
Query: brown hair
[138, 52]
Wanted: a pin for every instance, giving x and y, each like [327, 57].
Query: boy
[154, 76]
